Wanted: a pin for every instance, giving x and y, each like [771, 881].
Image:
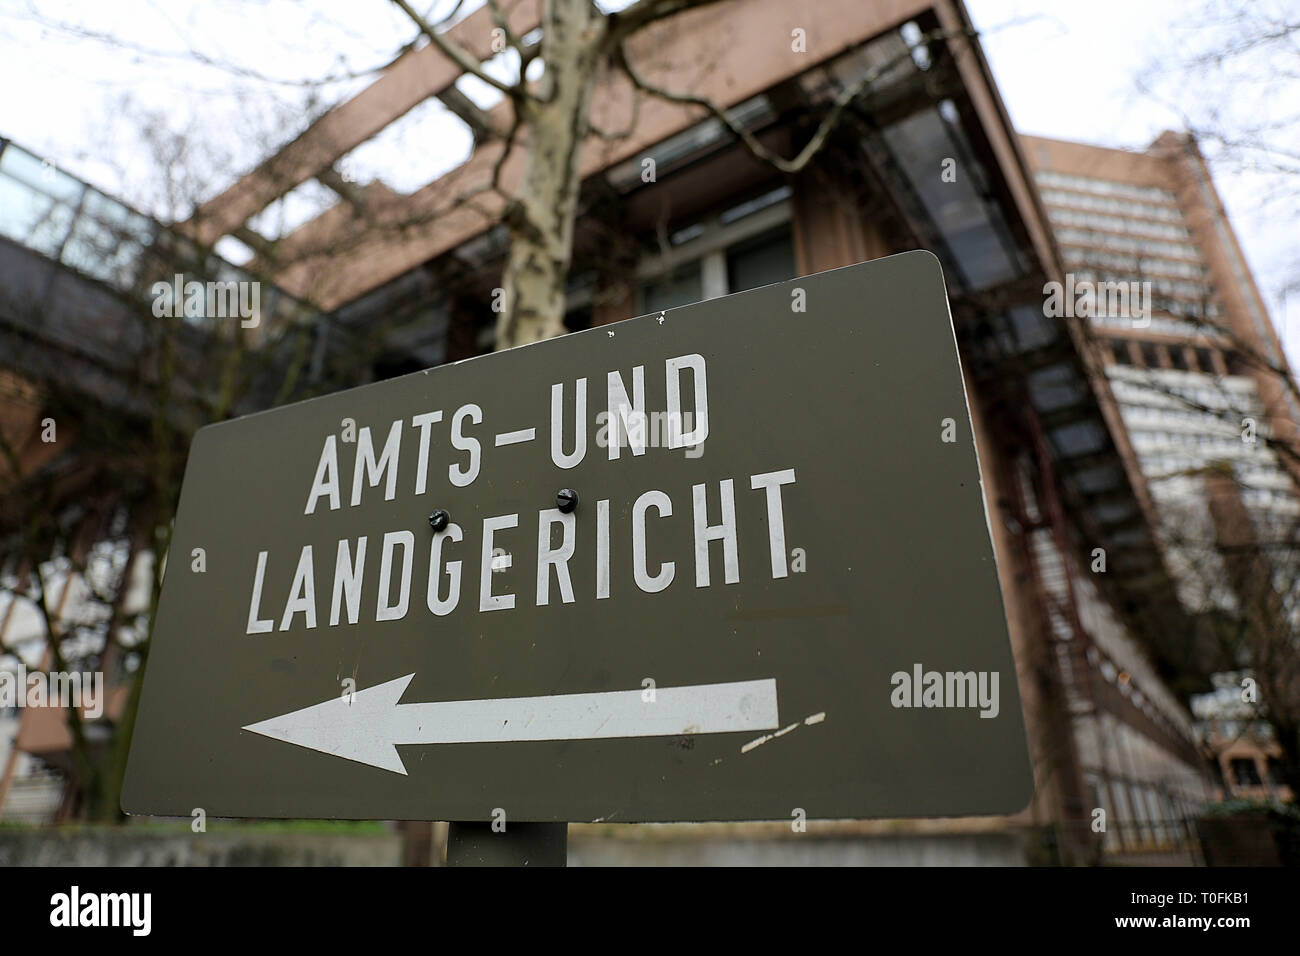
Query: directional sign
[729, 561]
[365, 727]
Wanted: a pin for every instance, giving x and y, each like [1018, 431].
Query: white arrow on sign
[369, 725]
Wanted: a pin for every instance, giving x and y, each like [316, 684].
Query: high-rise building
[1192, 358]
[1203, 387]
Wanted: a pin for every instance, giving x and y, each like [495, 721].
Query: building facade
[1205, 392]
[1197, 369]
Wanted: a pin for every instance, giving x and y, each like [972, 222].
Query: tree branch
[461, 57]
[623, 23]
[748, 139]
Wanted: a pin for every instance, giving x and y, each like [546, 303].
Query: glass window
[751, 206]
[108, 240]
[32, 218]
[1275, 771]
[1246, 772]
[1105, 187]
[970, 225]
[682, 286]
[761, 261]
[1080, 438]
[40, 176]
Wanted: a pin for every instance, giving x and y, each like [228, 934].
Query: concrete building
[1204, 390]
[1200, 376]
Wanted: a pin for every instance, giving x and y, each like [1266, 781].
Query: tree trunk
[540, 218]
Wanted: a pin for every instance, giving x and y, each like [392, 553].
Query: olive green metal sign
[726, 562]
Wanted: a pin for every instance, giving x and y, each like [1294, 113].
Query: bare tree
[1229, 73]
[578, 44]
[1233, 543]
[91, 459]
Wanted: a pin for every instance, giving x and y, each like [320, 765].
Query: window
[1145, 210]
[682, 286]
[1144, 266]
[1275, 772]
[751, 206]
[36, 208]
[1117, 224]
[761, 261]
[1246, 772]
[1105, 240]
[1104, 187]
[107, 240]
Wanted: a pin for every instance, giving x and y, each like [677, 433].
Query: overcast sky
[1072, 69]
[1110, 72]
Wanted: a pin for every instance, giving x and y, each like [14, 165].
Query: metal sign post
[726, 562]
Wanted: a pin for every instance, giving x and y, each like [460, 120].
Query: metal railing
[1169, 842]
[48, 211]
